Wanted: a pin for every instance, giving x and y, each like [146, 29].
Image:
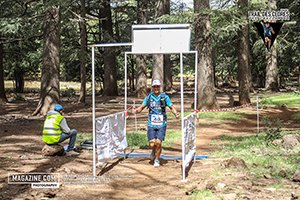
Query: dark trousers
[72, 135]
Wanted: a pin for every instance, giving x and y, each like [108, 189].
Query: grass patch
[260, 157]
[36, 85]
[170, 115]
[81, 137]
[204, 194]
[172, 136]
[230, 115]
[139, 140]
[278, 186]
[291, 100]
[290, 132]
[295, 116]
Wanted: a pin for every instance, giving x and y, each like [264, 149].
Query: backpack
[162, 102]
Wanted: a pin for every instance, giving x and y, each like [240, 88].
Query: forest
[248, 100]
[50, 41]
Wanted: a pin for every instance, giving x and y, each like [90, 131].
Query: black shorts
[156, 133]
[268, 36]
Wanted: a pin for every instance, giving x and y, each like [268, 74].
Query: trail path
[132, 178]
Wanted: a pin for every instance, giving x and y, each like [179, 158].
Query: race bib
[157, 120]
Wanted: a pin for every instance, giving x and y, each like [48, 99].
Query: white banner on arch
[189, 138]
[110, 136]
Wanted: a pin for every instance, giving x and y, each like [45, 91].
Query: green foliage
[296, 116]
[81, 137]
[205, 194]
[21, 31]
[259, 61]
[10, 26]
[68, 92]
[289, 99]
[139, 139]
[225, 27]
[272, 165]
[297, 93]
[239, 145]
[170, 115]
[172, 136]
[183, 17]
[261, 158]
[289, 40]
[273, 129]
[230, 115]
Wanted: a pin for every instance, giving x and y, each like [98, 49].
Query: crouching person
[56, 130]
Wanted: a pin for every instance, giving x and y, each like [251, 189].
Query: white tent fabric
[110, 136]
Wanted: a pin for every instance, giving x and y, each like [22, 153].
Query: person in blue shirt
[268, 32]
[156, 102]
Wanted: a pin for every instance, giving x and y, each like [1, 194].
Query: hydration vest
[162, 102]
[52, 130]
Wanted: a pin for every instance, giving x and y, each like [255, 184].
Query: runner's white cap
[155, 82]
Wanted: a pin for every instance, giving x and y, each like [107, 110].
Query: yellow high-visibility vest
[52, 130]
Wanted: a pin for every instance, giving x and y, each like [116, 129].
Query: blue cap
[58, 107]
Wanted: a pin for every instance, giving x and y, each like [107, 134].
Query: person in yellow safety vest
[56, 130]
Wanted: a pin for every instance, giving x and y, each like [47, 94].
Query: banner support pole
[94, 112]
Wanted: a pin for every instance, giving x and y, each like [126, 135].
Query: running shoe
[156, 163]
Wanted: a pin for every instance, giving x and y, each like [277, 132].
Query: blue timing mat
[163, 156]
[89, 145]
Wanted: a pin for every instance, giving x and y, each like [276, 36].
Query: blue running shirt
[156, 117]
[267, 31]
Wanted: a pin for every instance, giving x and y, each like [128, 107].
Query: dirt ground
[132, 178]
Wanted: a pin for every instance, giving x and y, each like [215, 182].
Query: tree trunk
[168, 83]
[2, 88]
[161, 7]
[298, 78]
[244, 72]
[110, 69]
[157, 69]
[83, 52]
[141, 76]
[50, 70]
[141, 66]
[19, 78]
[206, 89]
[272, 68]
[168, 73]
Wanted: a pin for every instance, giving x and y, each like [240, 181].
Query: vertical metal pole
[182, 117]
[257, 114]
[125, 94]
[125, 81]
[195, 99]
[93, 94]
[94, 112]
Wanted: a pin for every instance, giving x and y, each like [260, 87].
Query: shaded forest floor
[133, 178]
